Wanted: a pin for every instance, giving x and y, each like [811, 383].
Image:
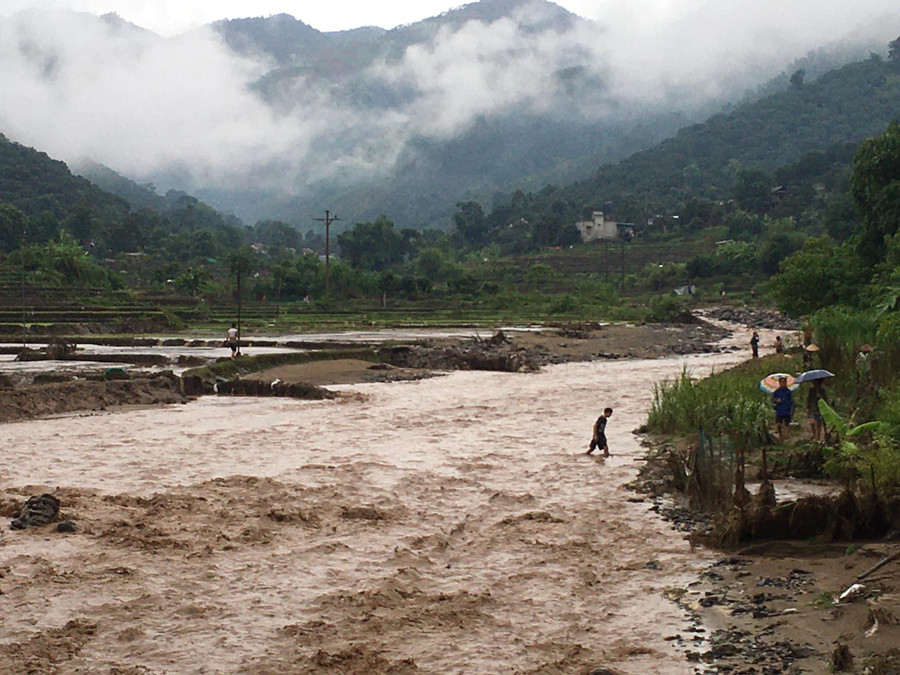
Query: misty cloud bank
[78, 87]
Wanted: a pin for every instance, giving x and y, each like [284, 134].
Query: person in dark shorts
[754, 344]
[598, 440]
[232, 340]
[816, 423]
[783, 400]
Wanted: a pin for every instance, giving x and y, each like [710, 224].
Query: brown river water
[449, 525]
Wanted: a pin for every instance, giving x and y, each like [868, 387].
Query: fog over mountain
[269, 117]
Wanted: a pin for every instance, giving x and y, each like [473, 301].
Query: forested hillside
[710, 160]
[40, 198]
[43, 187]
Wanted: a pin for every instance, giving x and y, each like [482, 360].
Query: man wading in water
[598, 441]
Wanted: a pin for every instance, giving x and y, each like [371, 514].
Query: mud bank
[776, 608]
[29, 401]
[772, 605]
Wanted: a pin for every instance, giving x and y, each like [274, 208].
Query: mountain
[366, 73]
[369, 75]
[269, 118]
[40, 196]
[37, 185]
[843, 106]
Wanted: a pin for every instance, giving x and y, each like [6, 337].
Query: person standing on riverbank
[754, 344]
[598, 440]
[783, 399]
[816, 423]
[779, 345]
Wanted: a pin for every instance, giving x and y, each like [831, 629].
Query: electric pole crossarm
[328, 220]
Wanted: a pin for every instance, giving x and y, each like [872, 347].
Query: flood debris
[38, 510]
[250, 387]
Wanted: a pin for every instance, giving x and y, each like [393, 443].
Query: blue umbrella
[810, 375]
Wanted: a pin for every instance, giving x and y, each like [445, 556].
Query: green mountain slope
[843, 106]
[36, 184]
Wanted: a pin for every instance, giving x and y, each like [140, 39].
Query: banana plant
[846, 455]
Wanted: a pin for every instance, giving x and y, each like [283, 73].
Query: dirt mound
[492, 354]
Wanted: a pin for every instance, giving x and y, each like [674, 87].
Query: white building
[598, 228]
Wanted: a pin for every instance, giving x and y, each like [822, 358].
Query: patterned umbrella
[770, 382]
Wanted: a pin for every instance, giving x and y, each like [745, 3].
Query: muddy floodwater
[449, 525]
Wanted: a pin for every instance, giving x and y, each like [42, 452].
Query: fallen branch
[879, 565]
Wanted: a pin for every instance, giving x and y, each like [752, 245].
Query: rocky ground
[787, 607]
[783, 606]
[755, 318]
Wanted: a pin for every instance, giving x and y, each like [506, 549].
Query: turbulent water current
[449, 525]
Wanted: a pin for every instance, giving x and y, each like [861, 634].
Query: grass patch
[726, 402]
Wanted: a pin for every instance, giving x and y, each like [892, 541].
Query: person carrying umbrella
[816, 393]
[816, 423]
[783, 400]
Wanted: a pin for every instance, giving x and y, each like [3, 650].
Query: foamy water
[450, 525]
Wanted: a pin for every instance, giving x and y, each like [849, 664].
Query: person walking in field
[231, 340]
[598, 440]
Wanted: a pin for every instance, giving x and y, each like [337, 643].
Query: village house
[599, 228]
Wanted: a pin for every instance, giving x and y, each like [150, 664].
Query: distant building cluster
[599, 228]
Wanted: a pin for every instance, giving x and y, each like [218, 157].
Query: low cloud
[144, 105]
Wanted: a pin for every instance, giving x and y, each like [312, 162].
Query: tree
[12, 227]
[374, 246]
[797, 78]
[752, 189]
[278, 234]
[471, 223]
[192, 281]
[240, 263]
[894, 51]
[875, 186]
[775, 248]
[817, 275]
[430, 263]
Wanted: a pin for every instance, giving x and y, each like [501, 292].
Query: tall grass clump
[840, 332]
[726, 403]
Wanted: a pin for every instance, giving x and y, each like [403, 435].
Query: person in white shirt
[232, 340]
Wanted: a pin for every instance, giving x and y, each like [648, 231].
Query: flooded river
[449, 525]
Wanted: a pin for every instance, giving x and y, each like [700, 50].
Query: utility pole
[24, 314]
[238, 351]
[606, 260]
[328, 220]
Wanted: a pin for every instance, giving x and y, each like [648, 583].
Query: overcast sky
[169, 17]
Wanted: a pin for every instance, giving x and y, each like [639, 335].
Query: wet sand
[448, 525]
